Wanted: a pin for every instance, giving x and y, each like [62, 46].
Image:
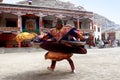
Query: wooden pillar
[40, 22]
[19, 44]
[78, 25]
[19, 26]
[20, 23]
[91, 25]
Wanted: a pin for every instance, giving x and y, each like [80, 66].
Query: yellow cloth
[25, 36]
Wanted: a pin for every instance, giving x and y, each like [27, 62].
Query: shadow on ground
[40, 75]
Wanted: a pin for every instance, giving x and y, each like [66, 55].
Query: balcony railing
[9, 29]
[82, 30]
[86, 30]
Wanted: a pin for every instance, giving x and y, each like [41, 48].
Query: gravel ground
[97, 64]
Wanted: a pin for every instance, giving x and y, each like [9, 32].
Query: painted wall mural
[30, 25]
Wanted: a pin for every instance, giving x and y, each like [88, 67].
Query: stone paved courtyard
[97, 64]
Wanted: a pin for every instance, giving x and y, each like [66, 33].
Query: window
[11, 23]
[48, 23]
[76, 24]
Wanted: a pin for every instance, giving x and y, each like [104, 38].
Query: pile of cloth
[25, 36]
